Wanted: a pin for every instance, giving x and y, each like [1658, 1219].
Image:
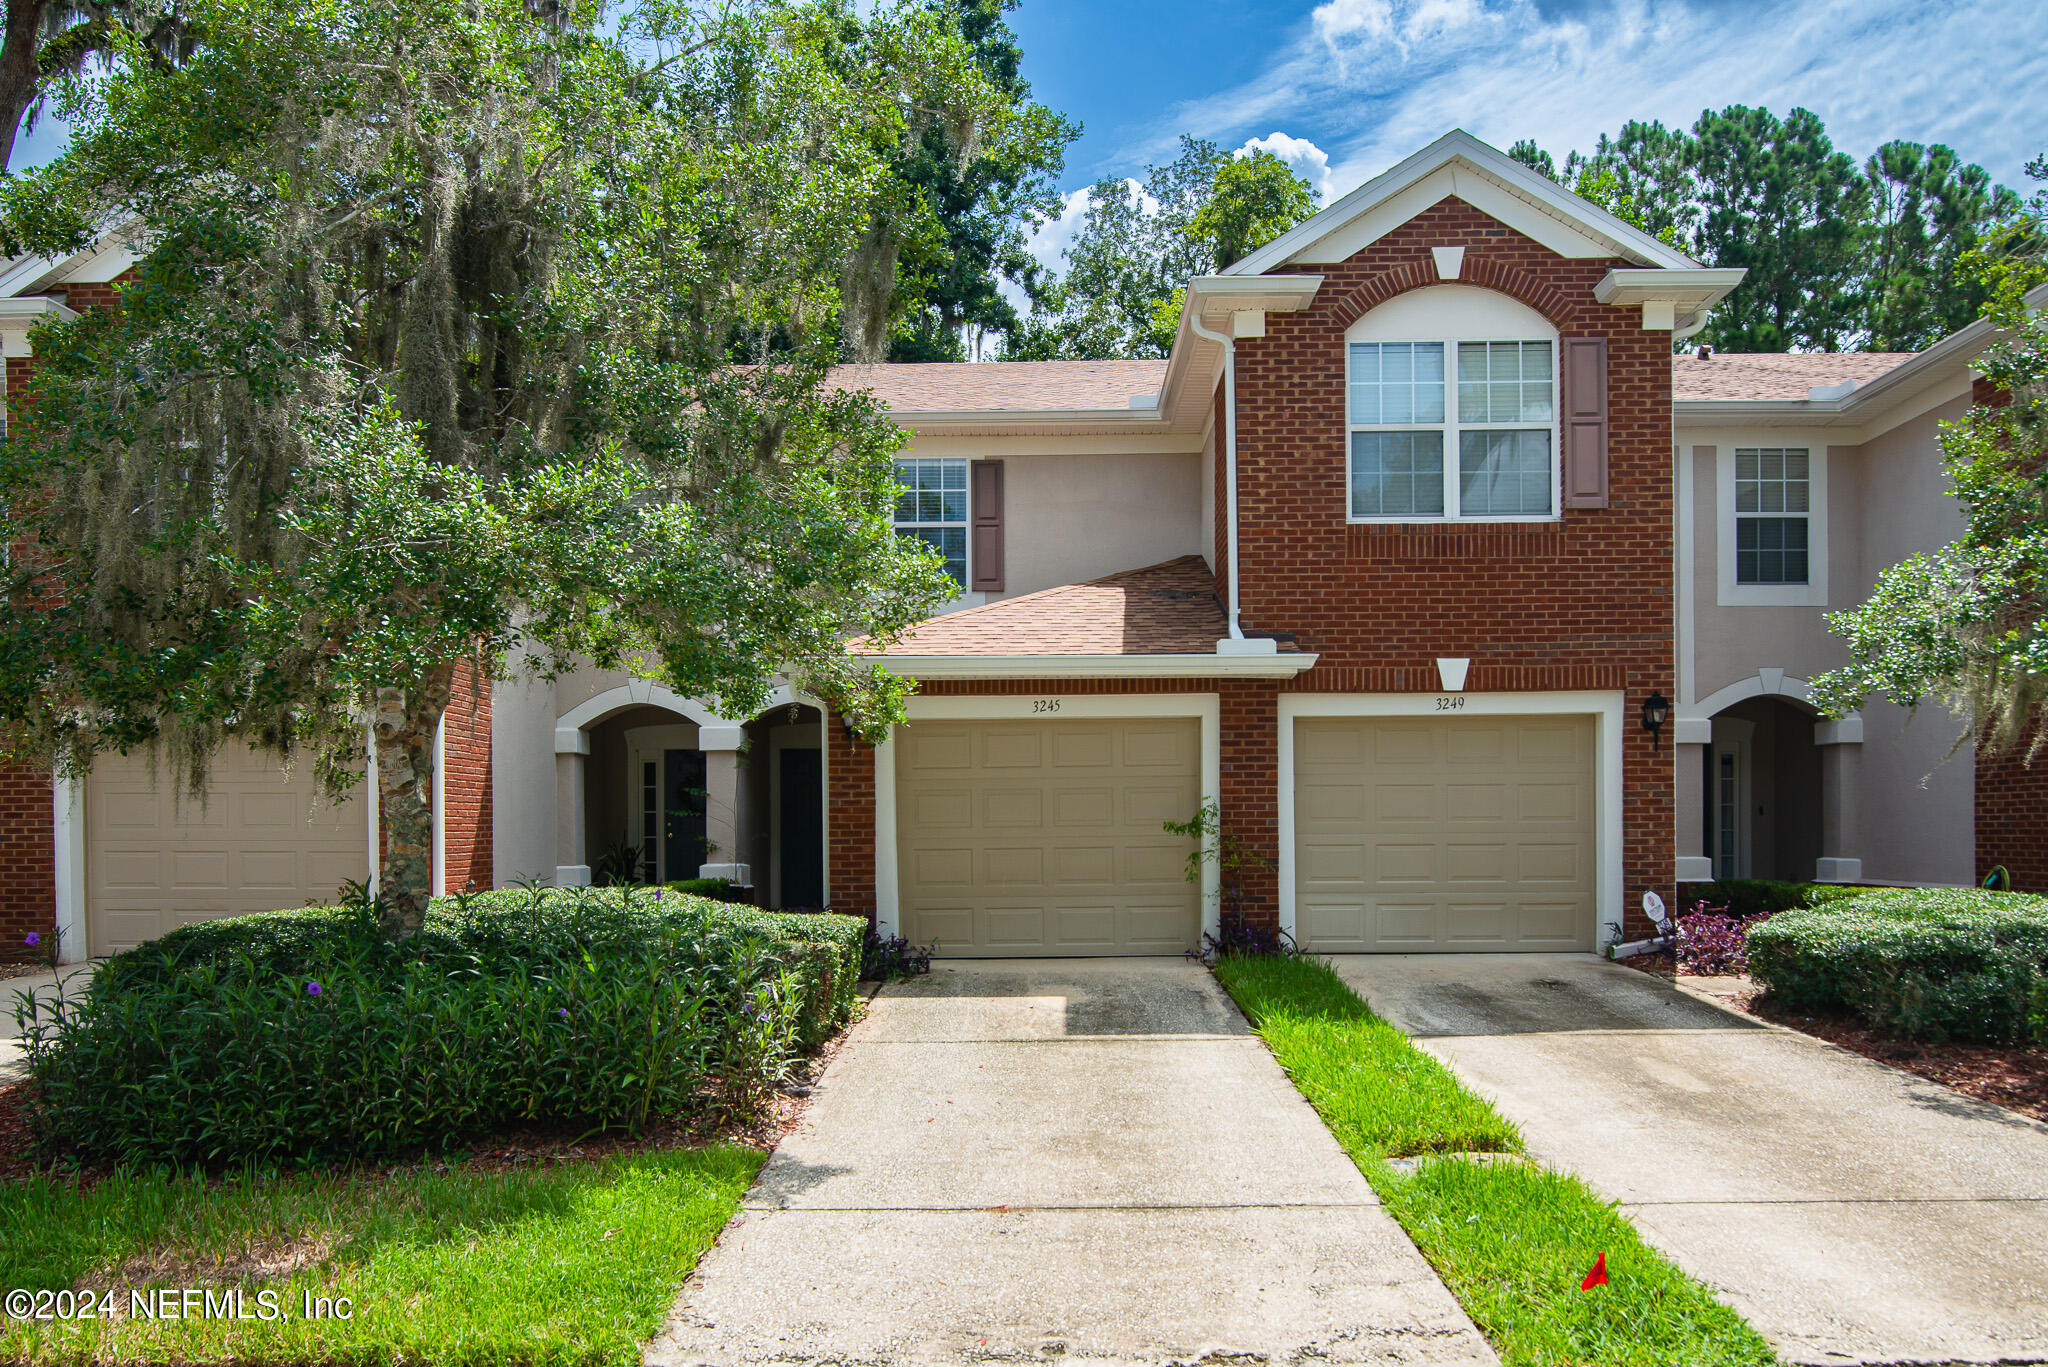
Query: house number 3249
[1045, 704]
[1450, 704]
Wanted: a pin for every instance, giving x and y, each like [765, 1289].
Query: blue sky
[1351, 86]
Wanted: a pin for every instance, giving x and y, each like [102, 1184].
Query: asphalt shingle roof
[1166, 609]
[1057, 386]
[1774, 375]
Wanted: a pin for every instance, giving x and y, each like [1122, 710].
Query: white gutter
[1274, 665]
[1229, 344]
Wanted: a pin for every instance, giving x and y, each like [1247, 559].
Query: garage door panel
[1458, 833]
[927, 752]
[1393, 924]
[1013, 809]
[1014, 867]
[1089, 807]
[1012, 749]
[157, 858]
[944, 809]
[1083, 748]
[1016, 927]
[1064, 851]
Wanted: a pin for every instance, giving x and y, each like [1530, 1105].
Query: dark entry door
[803, 833]
[682, 813]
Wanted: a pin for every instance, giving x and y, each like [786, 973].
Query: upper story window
[933, 508]
[1457, 418]
[1772, 511]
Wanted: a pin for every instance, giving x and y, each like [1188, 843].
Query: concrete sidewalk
[1092, 1160]
[69, 980]
[1854, 1213]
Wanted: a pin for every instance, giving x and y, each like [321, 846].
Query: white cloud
[1307, 160]
[1373, 80]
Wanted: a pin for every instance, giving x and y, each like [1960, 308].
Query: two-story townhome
[1395, 557]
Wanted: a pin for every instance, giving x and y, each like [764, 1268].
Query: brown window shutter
[1585, 422]
[985, 526]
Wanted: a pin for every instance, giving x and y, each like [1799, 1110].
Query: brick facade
[2012, 819]
[1582, 604]
[466, 784]
[850, 821]
[28, 864]
[1585, 603]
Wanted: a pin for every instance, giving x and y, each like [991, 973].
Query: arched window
[1452, 409]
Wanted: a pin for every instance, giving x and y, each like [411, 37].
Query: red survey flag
[1598, 1276]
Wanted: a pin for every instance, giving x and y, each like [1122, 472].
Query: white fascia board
[1275, 666]
[1691, 287]
[21, 311]
[1218, 296]
[1458, 145]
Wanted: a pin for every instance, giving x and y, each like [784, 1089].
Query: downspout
[1229, 345]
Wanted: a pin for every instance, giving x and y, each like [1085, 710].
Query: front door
[802, 830]
[682, 814]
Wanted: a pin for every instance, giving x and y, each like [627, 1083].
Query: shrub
[1747, 898]
[1935, 963]
[1710, 941]
[302, 1034]
[716, 889]
[884, 960]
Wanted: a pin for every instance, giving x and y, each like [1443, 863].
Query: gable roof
[1488, 179]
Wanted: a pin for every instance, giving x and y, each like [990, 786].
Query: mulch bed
[2013, 1076]
[501, 1152]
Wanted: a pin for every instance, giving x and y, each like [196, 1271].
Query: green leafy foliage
[1963, 625]
[1743, 898]
[464, 332]
[1935, 963]
[1839, 254]
[1141, 242]
[306, 1034]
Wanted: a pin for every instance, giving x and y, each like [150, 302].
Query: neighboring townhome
[1397, 557]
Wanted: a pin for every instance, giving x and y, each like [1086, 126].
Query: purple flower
[563, 1012]
[32, 939]
[313, 989]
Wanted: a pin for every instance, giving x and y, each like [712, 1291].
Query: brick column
[1249, 774]
[850, 822]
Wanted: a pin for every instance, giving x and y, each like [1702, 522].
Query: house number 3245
[1045, 704]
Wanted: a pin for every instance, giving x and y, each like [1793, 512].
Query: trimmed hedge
[295, 1035]
[1744, 898]
[1934, 963]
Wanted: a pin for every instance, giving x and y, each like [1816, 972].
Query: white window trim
[966, 524]
[1814, 592]
[1607, 709]
[1206, 708]
[1469, 314]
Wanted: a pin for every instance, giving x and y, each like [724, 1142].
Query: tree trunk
[404, 728]
[19, 76]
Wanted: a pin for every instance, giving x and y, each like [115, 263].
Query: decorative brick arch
[1480, 270]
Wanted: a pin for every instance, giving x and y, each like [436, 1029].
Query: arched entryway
[1767, 786]
[652, 787]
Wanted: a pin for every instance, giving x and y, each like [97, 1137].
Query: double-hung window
[1453, 429]
[1772, 510]
[933, 508]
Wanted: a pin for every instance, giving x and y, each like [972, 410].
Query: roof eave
[1538, 190]
[1189, 666]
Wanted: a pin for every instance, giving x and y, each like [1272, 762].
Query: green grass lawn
[1510, 1239]
[574, 1263]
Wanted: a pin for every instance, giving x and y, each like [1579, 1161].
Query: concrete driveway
[1092, 1160]
[1854, 1213]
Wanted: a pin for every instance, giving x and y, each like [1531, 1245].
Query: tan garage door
[1472, 833]
[1043, 837]
[153, 864]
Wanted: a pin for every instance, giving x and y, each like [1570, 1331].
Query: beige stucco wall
[1886, 500]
